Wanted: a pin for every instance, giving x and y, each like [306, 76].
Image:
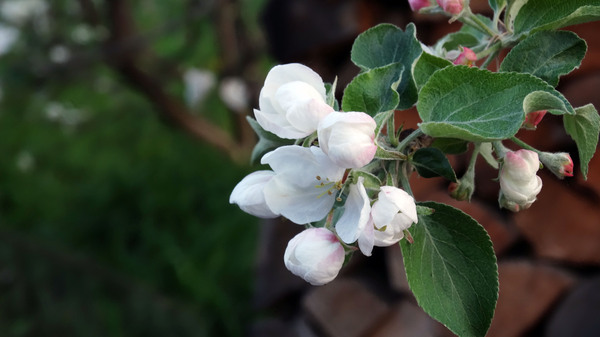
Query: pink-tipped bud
[453, 7]
[559, 163]
[417, 5]
[533, 119]
[466, 57]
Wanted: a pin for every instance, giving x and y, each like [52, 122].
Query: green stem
[471, 167]
[403, 175]
[413, 135]
[524, 145]
[391, 131]
[490, 59]
[472, 20]
[500, 149]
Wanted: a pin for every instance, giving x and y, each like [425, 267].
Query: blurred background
[123, 132]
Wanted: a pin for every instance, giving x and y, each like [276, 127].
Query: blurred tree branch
[126, 51]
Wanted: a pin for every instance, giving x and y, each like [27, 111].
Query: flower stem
[524, 145]
[500, 149]
[391, 130]
[403, 175]
[472, 20]
[404, 143]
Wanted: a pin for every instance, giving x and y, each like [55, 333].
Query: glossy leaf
[451, 269]
[450, 145]
[431, 162]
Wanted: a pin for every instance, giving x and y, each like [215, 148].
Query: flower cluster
[305, 182]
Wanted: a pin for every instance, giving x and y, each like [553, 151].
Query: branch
[171, 108]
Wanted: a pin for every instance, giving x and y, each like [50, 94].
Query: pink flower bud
[559, 163]
[533, 119]
[519, 184]
[466, 57]
[416, 5]
[316, 255]
[453, 7]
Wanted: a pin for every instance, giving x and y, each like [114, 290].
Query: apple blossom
[348, 138]
[356, 223]
[248, 194]
[417, 5]
[292, 101]
[453, 7]
[315, 254]
[305, 183]
[519, 184]
[559, 163]
[392, 213]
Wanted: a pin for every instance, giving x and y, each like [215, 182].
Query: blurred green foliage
[111, 222]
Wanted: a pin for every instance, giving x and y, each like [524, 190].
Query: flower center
[329, 187]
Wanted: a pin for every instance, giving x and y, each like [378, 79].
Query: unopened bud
[417, 5]
[559, 163]
[533, 119]
[453, 7]
[466, 57]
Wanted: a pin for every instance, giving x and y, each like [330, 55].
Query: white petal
[366, 240]
[279, 125]
[306, 115]
[300, 205]
[282, 74]
[301, 165]
[248, 194]
[357, 211]
[402, 200]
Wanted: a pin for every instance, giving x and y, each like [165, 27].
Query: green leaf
[451, 269]
[476, 105]
[584, 128]
[543, 100]
[331, 101]
[455, 40]
[370, 181]
[267, 141]
[537, 15]
[425, 66]
[431, 162]
[547, 55]
[374, 91]
[385, 44]
[450, 145]
[380, 119]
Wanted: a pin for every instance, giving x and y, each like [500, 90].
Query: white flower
[355, 223]
[305, 183]
[519, 184]
[396, 211]
[292, 101]
[248, 194]
[316, 255]
[348, 138]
